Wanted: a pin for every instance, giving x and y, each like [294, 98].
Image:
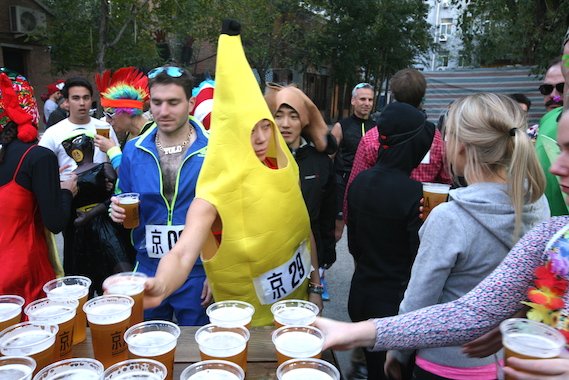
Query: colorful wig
[17, 104]
[125, 91]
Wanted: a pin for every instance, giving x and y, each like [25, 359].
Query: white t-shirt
[54, 135]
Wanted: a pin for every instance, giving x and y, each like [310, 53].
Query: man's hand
[484, 346]
[317, 300]
[117, 213]
[70, 183]
[154, 292]
[103, 143]
[206, 296]
[541, 369]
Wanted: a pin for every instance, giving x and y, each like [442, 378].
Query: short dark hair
[185, 81]
[76, 82]
[522, 99]
[408, 86]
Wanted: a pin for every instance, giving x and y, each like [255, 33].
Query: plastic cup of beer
[298, 342]
[10, 310]
[61, 312]
[30, 339]
[433, 195]
[230, 313]
[139, 369]
[223, 343]
[104, 131]
[155, 340]
[109, 317]
[294, 312]
[72, 369]
[72, 287]
[17, 367]
[129, 284]
[129, 201]
[313, 369]
[213, 370]
[527, 339]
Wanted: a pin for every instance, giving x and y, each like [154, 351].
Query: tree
[512, 31]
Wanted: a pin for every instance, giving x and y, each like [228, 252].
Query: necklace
[175, 148]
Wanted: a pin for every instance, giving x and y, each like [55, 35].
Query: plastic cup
[154, 340]
[104, 131]
[313, 369]
[294, 312]
[139, 369]
[17, 367]
[129, 284]
[10, 310]
[298, 342]
[61, 312]
[213, 370]
[109, 317]
[230, 313]
[223, 343]
[30, 339]
[527, 339]
[130, 202]
[434, 194]
[72, 369]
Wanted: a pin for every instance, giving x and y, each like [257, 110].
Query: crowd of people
[252, 208]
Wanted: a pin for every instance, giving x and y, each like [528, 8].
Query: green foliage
[512, 31]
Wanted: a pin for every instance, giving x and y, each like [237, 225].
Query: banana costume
[264, 255]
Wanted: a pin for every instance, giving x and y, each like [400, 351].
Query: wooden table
[261, 357]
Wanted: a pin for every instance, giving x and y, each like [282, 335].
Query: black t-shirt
[353, 129]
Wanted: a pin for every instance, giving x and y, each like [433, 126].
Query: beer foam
[214, 374]
[151, 343]
[9, 311]
[75, 374]
[74, 291]
[126, 286]
[298, 344]
[536, 346]
[306, 374]
[221, 344]
[128, 200]
[231, 316]
[108, 313]
[54, 314]
[23, 343]
[15, 372]
[295, 315]
[135, 375]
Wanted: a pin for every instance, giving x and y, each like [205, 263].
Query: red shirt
[366, 157]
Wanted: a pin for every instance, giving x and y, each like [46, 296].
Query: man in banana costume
[248, 188]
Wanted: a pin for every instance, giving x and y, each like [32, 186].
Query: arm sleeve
[115, 155]
[328, 218]
[54, 203]
[490, 302]
[124, 183]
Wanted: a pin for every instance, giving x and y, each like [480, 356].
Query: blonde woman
[465, 239]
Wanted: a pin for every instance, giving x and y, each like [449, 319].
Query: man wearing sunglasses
[162, 165]
[553, 88]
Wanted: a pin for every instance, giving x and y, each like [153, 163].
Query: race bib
[161, 239]
[427, 158]
[279, 282]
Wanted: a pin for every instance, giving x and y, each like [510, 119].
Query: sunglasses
[547, 89]
[171, 71]
[362, 85]
[109, 115]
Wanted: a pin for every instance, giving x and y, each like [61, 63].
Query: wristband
[315, 288]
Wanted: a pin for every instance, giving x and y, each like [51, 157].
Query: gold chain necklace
[176, 148]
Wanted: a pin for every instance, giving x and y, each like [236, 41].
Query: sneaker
[325, 295]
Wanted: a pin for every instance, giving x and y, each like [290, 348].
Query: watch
[315, 289]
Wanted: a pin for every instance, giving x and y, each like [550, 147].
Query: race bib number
[427, 158]
[279, 282]
[161, 239]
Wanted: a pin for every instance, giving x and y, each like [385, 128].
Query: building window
[442, 58]
[445, 29]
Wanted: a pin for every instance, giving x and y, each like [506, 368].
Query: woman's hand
[541, 369]
[345, 335]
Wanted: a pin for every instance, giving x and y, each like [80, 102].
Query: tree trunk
[102, 43]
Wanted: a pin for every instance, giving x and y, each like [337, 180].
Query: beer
[103, 131]
[72, 369]
[294, 312]
[10, 310]
[155, 340]
[433, 195]
[72, 287]
[129, 201]
[137, 369]
[60, 312]
[230, 313]
[30, 339]
[109, 317]
[213, 370]
[297, 342]
[527, 339]
[307, 369]
[224, 343]
[16, 368]
[129, 284]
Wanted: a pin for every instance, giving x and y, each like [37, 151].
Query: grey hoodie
[462, 242]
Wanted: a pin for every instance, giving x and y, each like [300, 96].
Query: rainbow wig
[125, 91]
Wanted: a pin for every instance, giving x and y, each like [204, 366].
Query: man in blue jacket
[163, 165]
